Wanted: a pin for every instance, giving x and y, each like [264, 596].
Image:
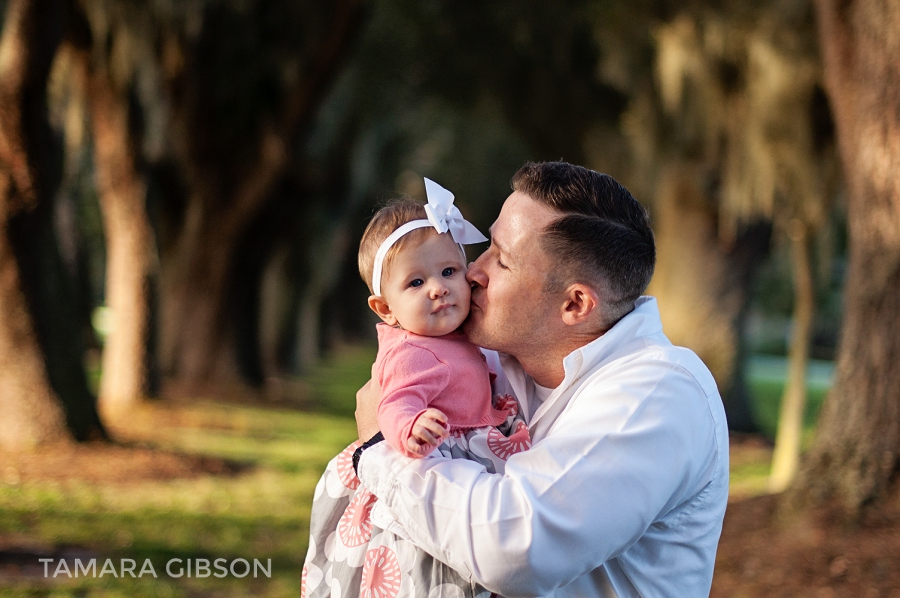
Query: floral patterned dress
[349, 556]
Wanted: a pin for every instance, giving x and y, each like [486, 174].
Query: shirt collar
[643, 321]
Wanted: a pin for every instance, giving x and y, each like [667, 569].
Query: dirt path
[761, 555]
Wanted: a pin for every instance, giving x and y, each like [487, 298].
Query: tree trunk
[197, 344]
[193, 328]
[29, 410]
[196, 347]
[703, 289]
[786, 456]
[855, 455]
[129, 245]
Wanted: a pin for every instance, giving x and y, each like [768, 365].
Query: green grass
[766, 378]
[261, 513]
[750, 467]
[767, 403]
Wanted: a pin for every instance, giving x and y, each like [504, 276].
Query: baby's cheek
[466, 305]
[466, 294]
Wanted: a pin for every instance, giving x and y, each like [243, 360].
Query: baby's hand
[428, 432]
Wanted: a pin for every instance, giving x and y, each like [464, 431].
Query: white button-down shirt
[621, 494]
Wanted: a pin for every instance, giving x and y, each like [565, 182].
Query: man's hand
[428, 432]
[367, 399]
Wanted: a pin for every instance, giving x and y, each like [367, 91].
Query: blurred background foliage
[183, 186]
[218, 161]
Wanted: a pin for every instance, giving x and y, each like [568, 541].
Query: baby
[433, 381]
[435, 392]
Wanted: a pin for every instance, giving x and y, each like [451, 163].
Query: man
[624, 488]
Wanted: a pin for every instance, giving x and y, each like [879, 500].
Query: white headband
[442, 215]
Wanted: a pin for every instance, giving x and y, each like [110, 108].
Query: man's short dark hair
[602, 238]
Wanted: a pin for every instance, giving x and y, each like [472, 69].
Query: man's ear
[580, 304]
[382, 310]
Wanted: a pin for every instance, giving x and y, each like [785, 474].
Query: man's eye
[502, 265]
[448, 271]
[417, 282]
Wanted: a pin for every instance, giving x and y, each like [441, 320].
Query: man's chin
[471, 327]
[474, 331]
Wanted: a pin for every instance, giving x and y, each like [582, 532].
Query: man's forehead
[494, 233]
[499, 237]
[520, 218]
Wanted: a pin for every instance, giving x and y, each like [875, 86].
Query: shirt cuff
[378, 467]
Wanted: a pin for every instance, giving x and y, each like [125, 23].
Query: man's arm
[367, 410]
[612, 464]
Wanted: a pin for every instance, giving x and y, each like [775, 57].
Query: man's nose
[475, 274]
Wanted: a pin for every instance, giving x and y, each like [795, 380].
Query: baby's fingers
[425, 438]
[435, 415]
[437, 428]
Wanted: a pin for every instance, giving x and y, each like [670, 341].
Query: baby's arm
[411, 378]
[428, 432]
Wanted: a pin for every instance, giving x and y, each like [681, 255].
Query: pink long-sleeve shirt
[444, 372]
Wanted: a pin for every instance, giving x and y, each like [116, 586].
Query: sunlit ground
[258, 511]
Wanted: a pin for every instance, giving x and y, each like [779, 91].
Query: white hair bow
[442, 215]
[445, 216]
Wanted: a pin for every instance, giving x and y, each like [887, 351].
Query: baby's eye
[448, 271]
[417, 282]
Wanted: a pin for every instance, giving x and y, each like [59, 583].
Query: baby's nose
[439, 290]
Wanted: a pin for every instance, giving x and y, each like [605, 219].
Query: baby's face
[426, 287]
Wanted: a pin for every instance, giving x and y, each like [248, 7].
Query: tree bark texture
[857, 447]
[30, 412]
[197, 268]
[702, 287]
